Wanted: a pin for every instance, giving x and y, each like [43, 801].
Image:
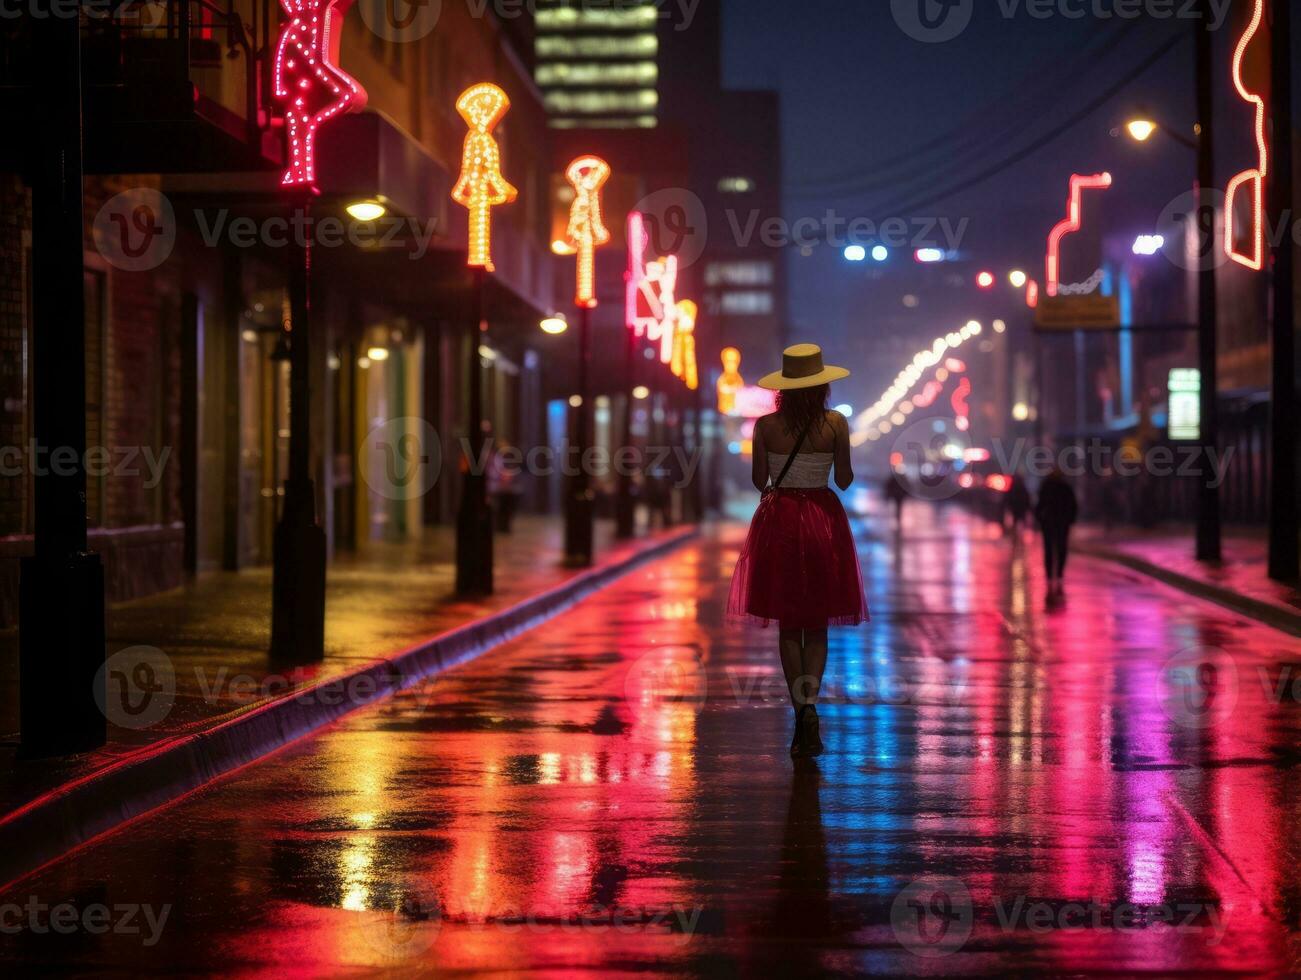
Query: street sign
[1091, 312]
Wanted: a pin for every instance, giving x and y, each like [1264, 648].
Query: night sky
[875, 122]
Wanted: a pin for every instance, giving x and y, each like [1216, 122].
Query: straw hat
[802, 367]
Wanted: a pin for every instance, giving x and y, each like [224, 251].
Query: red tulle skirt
[799, 567]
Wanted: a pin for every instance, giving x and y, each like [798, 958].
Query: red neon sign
[637, 242]
[1255, 259]
[308, 78]
[1070, 224]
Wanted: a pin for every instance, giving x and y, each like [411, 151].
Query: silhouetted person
[1056, 512]
[1018, 502]
[896, 493]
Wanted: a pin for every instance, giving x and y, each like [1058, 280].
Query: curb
[1279, 617]
[47, 828]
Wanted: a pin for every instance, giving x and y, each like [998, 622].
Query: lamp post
[61, 586]
[585, 233]
[306, 65]
[1141, 129]
[481, 187]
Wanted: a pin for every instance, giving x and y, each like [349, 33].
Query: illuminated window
[752, 303]
[736, 185]
[573, 18]
[602, 102]
[610, 122]
[595, 73]
[739, 274]
[621, 46]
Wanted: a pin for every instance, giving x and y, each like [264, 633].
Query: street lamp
[480, 188]
[1208, 497]
[308, 50]
[1142, 128]
[585, 233]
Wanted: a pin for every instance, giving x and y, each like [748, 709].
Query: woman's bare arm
[759, 462]
[844, 468]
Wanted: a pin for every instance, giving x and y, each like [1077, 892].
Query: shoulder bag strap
[794, 452]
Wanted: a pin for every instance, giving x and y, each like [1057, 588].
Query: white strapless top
[810, 471]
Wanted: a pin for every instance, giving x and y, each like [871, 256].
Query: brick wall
[136, 526]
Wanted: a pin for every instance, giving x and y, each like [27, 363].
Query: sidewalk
[202, 697]
[1240, 582]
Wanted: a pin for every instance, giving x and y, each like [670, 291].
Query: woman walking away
[1056, 512]
[798, 567]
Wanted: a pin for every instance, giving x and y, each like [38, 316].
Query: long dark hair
[800, 406]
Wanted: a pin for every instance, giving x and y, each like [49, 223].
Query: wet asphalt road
[1109, 785]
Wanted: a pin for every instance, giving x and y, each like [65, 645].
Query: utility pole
[578, 502]
[474, 544]
[1284, 561]
[298, 572]
[1208, 494]
[61, 587]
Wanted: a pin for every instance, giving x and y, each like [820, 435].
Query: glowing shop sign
[587, 231]
[1070, 224]
[307, 77]
[1255, 258]
[1185, 404]
[683, 362]
[731, 381]
[482, 186]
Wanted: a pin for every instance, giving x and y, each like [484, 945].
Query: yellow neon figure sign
[731, 382]
[482, 186]
[587, 231]
[684, 364]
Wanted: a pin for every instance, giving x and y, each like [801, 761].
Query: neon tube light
[481, 186]
[1070, 224]
[587, 231]
[1255, 259]
[308, 78]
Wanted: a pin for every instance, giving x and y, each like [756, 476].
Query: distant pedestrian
[503, 486]
[799, 566]
[896, 493]
[1056, 512]
[1018, 502]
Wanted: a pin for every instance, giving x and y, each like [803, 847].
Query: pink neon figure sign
[308, 79]
[1069, 225]
[1255, 259]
